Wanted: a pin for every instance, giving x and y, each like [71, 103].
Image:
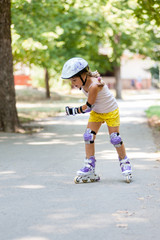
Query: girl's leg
[90, 148]
[120, 150]
[124, 161]
[88, 171]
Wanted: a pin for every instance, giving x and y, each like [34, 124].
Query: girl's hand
[96, 74]
[100, 83]
[71, 111]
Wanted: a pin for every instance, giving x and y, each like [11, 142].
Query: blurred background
[119, 38]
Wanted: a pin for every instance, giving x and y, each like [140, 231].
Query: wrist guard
[88, 109]
[71, 111]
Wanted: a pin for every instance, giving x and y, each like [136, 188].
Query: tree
[8, 113]
[48, 32]
[148, 10]
[147, 13]
[119, 35]
[34, 30]
[82, 32]
[124, 32]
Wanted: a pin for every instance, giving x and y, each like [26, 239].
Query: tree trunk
[118, 82]
[47, 83]
[8, 113]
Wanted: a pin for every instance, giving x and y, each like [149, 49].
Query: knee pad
[115, 139]
[89, 136]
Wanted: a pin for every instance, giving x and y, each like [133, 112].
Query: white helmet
[73, 66]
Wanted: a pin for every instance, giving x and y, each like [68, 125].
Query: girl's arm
[92, 95]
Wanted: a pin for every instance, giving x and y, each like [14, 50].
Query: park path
[39, 200]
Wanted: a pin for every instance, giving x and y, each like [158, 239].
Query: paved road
[39, 200]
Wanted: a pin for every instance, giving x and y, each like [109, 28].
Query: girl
[103, 108]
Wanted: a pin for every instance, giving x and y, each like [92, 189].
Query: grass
[153, 111]
[32, 104]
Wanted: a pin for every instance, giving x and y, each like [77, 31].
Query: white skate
[87, 173]
[126, 169]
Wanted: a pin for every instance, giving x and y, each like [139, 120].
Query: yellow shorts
[112, 118]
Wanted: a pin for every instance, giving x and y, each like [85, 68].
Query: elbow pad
[88, 109]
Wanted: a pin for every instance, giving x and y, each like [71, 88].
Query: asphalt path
[40, 201]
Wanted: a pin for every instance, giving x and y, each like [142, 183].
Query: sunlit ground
[33, 105]
[39, 200]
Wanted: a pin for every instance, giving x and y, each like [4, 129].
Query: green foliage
[153, 111]
[125, 32]
[83, 31]
[155, 72]
[148, 10]
[119, 30]
[148, 16]
[35, 29]
[46, 33]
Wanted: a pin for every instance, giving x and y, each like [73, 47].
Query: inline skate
[126, 169]
[87, 173]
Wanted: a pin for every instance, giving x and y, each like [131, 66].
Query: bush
[153, 111]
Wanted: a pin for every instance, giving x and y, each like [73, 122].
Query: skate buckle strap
[123, 161]
[89, 162]
[85, 169]
[86, 163]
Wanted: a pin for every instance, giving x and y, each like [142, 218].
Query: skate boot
[126, 169]
[87, 173]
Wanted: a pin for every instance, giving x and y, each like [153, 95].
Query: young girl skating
[103, 108]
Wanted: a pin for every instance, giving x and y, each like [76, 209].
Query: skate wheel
[128, 178]
[84, 181]
[76, 180]
[98, 179]
[92, 180]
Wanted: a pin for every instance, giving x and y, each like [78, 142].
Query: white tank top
[105, 101]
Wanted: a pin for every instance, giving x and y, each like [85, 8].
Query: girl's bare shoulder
[97, 84]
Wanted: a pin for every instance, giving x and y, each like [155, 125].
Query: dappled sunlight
[131, 112]
[31, 186]
[66, 120]
[71, 222]
[103, 133]
[145, 156]
[148, 95]
[132, 149]
[107, 155]
[142, 167]
[55, 228]
[98, 221]
[66, 123]
[32, 238]
[39, 199]
[123, 218]
[137, 154]
[134, 120]
[54, 142]
[18, 143]
[7, 172]
[43, 171]
[9, 175]
[77, 135]
[62, 216]
[50, 174]
[48, 135]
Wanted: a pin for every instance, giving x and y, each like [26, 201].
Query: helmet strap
[83, 81]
